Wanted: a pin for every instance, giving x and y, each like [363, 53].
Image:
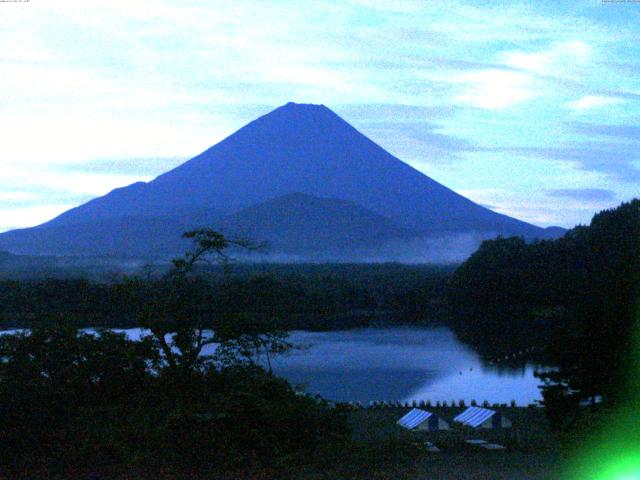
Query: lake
[397, 363]
[400, 363]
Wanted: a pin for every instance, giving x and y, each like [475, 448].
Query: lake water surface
[400, 363]
[397, 363]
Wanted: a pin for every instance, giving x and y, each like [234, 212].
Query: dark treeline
[304, 296]
[78, 405]
[575, 297]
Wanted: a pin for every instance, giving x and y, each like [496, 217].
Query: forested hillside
[576, 297]
[299, 296]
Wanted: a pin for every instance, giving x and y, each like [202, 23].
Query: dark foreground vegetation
[575, 298]
[79, 405]
[97, 405]
[298, 296]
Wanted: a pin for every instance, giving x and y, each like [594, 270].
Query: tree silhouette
[177, 314]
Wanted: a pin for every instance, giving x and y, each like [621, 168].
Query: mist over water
[439, 250]
[446, 249]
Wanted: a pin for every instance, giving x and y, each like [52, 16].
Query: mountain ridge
[296, 148]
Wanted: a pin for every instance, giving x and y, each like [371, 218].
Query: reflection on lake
[400, 363]
[396, 363]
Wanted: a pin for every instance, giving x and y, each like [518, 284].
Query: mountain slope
[300, 224]
[295, 148]
[295, 224]
[119, 237]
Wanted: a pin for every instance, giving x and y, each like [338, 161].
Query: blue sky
[531, 108]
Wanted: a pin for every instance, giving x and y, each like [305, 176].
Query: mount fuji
[299, 178]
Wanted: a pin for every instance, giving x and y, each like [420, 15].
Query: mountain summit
[297, 148]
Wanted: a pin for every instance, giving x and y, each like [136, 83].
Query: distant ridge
[300, 224]
[298, 149]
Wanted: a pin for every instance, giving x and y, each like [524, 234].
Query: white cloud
[593, 101]
[20, 183]
[536, 208]
[16, 196]
[559, 58]
[31, 195]
[110, 79]
[89, 184]
[69, 137]
[494, 89]
[536, 62]
[22, 217]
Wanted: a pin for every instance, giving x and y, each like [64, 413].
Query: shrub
[67, 396]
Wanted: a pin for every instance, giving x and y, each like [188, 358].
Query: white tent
[477, 417]
[418, 419]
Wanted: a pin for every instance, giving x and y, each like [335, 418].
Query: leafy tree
[177, 311]
[54, 380]
[156, 405]
[594, 347]
[575, 297]
[74, 404]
